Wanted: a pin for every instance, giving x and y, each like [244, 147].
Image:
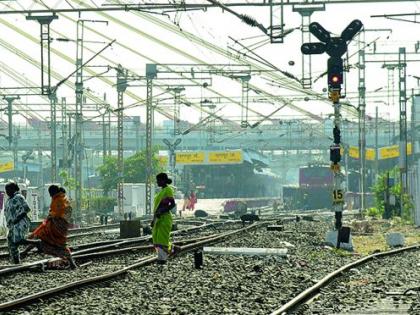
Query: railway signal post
[335, 47]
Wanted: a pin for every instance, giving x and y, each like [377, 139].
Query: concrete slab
[331, 239]
[394, 239]
[245, 251]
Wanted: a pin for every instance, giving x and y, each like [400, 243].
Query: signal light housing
[335, 154]
[335, 72]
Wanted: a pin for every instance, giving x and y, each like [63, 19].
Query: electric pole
[362, 128]
[402, 64]
[151, 73]
[53, 126]
[64, 132]
[11, 137]
[121, 87]
[78, 147]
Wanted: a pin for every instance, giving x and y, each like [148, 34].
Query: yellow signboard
[393, 151]
[354, 152]
[6, 167]
[226, 157]
[190, 157]
[370, 154]
[389, 152]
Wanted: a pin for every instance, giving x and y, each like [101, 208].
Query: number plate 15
[338, 196]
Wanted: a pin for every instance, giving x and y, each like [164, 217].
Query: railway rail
[110, 247]
[232, 272]
[188, 245]
[315, 290]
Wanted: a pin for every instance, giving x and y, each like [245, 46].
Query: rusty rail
[310, 292]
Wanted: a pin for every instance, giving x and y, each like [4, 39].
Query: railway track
[226, 284]
[90, 239]
[385, 283]
[139, 258]
[123, 244]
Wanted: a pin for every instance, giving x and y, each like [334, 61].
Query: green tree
[109, 174]
[379, 189]
[68, 181]
[134, 170]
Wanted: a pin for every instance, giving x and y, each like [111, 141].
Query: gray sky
[165, 39]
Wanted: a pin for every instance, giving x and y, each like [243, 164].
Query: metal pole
[362, 129]
[24, 170]
[338, 193]
[15, 152]
[10, 137]
[306, 13]
[346, 165]
[53, 126]
[41, 171]
[151, 73]
[78, 132]
[109, 134]
[177, 110]
[64, 132]
[306, 59]
[245, 100]
[137, 131]
[376, 143]
[403, 124]
[45, 43]
[121, 87]
[104, 142]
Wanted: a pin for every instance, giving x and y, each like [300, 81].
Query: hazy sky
[166, 39]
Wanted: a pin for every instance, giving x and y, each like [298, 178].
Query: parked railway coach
[315, 185]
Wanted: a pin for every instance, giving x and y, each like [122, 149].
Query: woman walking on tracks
[17, 220]
[53, 231]
[162, 219]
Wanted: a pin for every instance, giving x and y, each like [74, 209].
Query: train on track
[313, 191]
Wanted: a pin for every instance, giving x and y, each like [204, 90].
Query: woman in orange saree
[53, 231]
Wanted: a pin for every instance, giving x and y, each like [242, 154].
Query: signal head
[351, 30]
[319, 32]
[313, 48]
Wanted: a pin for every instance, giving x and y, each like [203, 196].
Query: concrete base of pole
[130, 229]
[331, 239]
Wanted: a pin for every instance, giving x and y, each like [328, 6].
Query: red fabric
[192, 202]
[55, 228]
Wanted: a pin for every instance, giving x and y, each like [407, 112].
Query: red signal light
[335, 79]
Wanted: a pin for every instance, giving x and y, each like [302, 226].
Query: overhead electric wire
[22, 80]
[34, 62]
[112, 62]
[124, 24]
[199, 41]
[287, 84]
[182, 52]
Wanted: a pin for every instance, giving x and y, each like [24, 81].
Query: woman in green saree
[162, 219]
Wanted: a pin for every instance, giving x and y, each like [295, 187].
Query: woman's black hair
[12, 187]
[62, 190]
[164, 177]
[53, 189]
